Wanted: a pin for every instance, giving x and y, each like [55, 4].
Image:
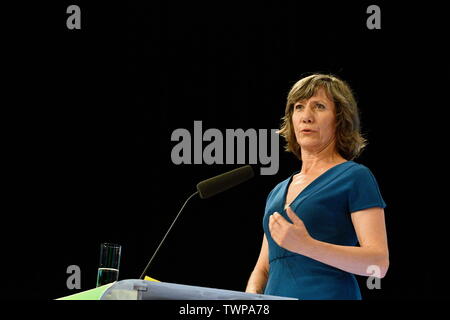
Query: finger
[279, 219]
[293, 216]
[274, 229]
[273, 223]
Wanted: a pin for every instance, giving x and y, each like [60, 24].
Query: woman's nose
[307, 116]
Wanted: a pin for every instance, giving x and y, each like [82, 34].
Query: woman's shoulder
[358, 171]
[355, 167]
[280, 185]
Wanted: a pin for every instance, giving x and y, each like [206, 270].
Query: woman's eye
[320, 106]
[299, 106]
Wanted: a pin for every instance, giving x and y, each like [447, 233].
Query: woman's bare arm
[258, 278]
[369, 226]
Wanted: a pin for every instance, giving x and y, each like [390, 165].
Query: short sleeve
[364, 191]
[269, 199]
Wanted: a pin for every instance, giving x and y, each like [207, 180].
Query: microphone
[212, 186]
[206, 189]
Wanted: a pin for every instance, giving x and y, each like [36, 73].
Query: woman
[315, 219]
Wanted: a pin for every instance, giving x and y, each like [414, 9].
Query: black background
[88, 116]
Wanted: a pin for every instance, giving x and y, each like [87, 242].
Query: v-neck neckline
[307, 187]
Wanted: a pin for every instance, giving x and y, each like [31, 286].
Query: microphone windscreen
[212, 186]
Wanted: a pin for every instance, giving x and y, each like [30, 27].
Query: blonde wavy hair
[349, 140]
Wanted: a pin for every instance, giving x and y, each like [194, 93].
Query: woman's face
[314, 121]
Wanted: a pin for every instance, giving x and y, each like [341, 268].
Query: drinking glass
[108, 269]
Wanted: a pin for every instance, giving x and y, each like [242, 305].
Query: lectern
[151, 290]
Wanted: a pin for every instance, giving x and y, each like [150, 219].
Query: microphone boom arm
[170, 228]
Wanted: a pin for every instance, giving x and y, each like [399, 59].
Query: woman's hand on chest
[290, 236]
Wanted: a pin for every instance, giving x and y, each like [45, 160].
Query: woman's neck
[317, 163]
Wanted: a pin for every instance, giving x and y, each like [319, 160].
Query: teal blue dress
[325, 206]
